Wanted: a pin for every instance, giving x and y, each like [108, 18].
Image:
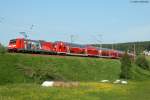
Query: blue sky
[53, 20]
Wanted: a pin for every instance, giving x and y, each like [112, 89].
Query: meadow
[16, 84]
[86, 91]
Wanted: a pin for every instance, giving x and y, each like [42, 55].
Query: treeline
[139, 46]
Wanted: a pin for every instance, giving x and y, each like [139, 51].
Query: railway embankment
[29, 68]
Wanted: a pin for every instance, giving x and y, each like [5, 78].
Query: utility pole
[98, 40]
[134, 51]
[100, 36]
[71, 38]
[24, 34]
[112, 46]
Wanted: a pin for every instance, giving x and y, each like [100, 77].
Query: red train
[59, 47]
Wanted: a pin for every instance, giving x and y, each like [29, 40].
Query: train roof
[26, 40]
[75, 45]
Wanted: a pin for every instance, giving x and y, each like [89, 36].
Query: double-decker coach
[60, 47]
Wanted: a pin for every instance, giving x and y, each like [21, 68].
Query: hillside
[28, 68]
[19, 78]
[18, 68]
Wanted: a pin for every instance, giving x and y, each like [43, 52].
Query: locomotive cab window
[12, 41]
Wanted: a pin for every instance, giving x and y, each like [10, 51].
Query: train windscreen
[12, 41]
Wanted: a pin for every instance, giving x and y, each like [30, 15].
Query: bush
[125, 66]
[142, 62]
[40, 74]
[2, 50]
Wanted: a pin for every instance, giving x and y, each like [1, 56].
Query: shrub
[2, 50]
[125, 66]
[142, 62]
[40, 74]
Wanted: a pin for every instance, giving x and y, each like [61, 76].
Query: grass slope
[87, 70]
[70, 68]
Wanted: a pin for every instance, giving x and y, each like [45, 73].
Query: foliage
[142, 62]
[40, 74]
[126, 65]
[2, 49]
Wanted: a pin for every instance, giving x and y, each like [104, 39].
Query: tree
[126, 65]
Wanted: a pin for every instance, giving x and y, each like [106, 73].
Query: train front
[12, 46]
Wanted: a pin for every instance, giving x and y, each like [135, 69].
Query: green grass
[70, 68]
[17, 85]
[86, 91]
